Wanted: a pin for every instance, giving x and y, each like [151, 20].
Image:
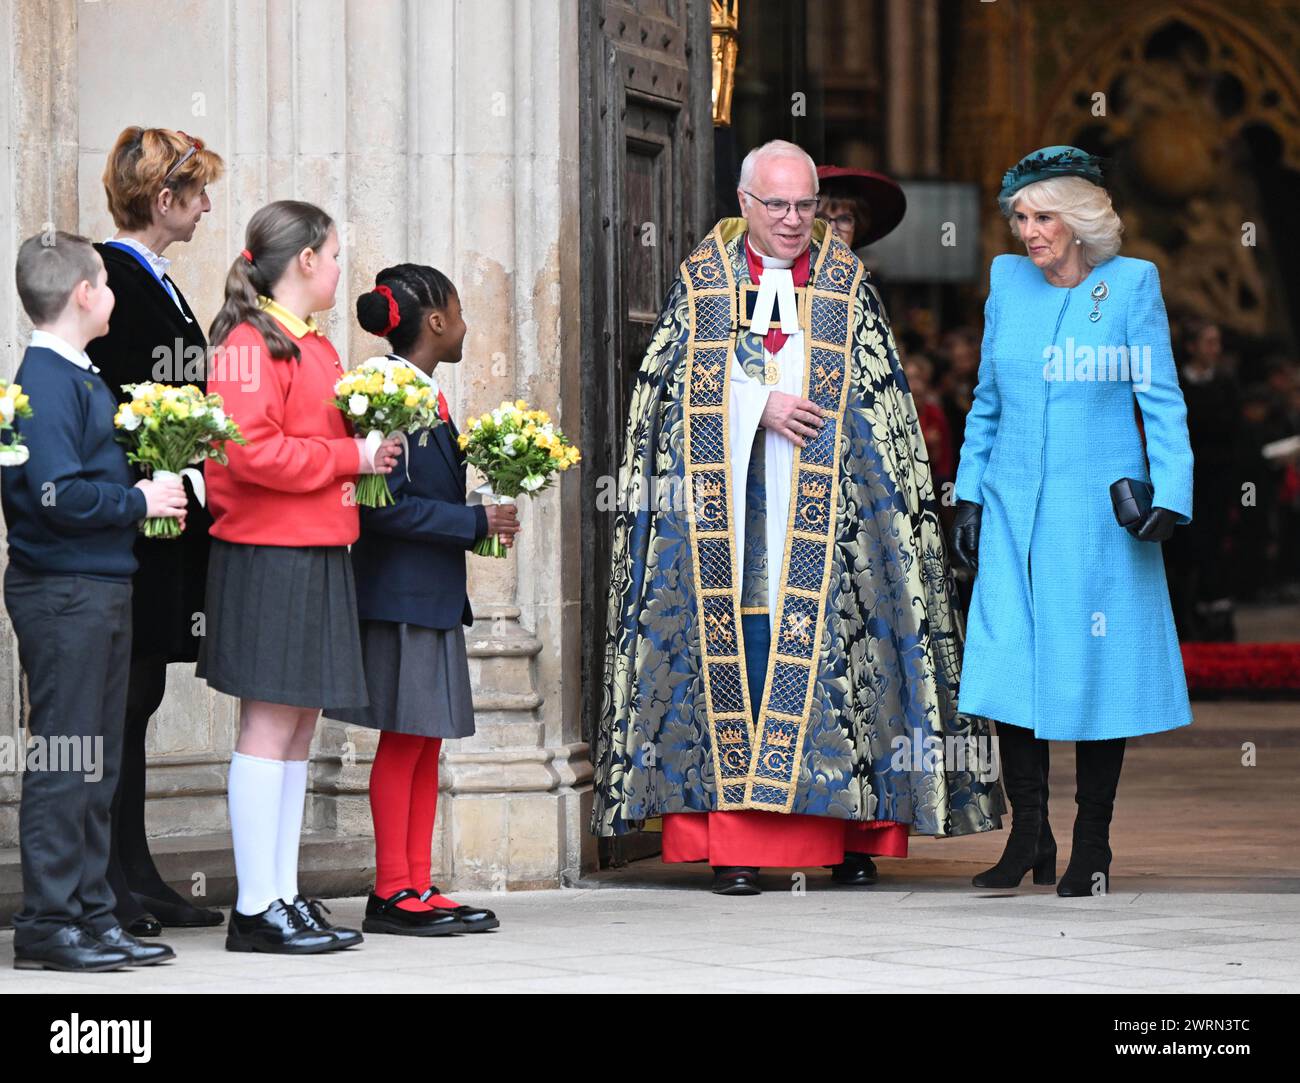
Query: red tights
[403, 805]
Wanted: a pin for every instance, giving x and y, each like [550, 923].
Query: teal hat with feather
[1050, 162]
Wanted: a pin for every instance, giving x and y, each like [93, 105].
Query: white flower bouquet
[170, 429]
[382, 396]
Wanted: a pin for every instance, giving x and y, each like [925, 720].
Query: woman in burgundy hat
[861, 206]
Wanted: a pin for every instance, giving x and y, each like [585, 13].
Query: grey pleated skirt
[282, 625]
[418, 680]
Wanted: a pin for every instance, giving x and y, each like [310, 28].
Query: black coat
[409, 562]
[168, 588]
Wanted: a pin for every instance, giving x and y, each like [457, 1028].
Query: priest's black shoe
[140, 954]
[145, 925]
[857, 870]
[313, 911]
[385, 916]
[72, 949]
[475, 918]
[277, 930]
[182, 915]
[735, 880]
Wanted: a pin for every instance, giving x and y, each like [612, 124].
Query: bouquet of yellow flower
[382, 396]
[170, 429]
[518, 450]
[13, 403]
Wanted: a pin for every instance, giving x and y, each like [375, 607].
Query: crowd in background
[1244, 538]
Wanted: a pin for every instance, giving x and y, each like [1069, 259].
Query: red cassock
[775, 839]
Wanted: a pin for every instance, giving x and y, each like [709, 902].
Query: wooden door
[647, 190]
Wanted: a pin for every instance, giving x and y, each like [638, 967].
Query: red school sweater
[287, 485]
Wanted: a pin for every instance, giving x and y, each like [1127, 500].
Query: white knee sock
[292, 799]
[254, 793]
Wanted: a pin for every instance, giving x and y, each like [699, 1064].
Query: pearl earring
[1077, 241]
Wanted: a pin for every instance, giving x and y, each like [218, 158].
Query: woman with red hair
[156, 181]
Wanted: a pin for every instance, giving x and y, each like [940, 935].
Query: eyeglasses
[841, 221]
[779, 208]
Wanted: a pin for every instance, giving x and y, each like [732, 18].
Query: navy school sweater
[409, 563]
[71, 509]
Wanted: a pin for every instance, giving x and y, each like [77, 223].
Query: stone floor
[1205, 897]
[618, 939]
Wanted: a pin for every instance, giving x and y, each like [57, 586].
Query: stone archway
[1200, 112]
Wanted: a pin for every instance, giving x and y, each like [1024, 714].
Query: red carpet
[1270, 669]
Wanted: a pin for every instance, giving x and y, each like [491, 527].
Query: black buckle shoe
[277, 930]
[385, 916]
[310, 910]
[856, 870]
[735, 880]
[476, 919]
[70, 949]
[119, 939]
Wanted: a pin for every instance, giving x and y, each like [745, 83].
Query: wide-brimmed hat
[1056, 161]
[882, 194]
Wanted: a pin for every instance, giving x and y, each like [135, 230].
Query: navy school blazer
[409, 562]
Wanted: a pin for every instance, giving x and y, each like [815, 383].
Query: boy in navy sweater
[72, 515]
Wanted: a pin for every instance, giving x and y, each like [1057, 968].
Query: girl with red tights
[409, 565]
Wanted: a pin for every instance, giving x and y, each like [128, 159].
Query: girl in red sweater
[281, 610]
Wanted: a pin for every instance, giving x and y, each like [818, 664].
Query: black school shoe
[140, 954]
[312, 912]
[277, 930]
[72, 949]
[385, 916]
[172, 915]
[145, 925]
[474, 918]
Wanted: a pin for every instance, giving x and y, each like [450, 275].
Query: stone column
[436, 131]
[38, 192]
[519, 790]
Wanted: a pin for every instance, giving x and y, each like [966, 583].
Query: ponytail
[275, 236]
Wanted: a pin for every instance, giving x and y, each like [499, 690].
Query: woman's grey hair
[777, 148]
[1082, 206]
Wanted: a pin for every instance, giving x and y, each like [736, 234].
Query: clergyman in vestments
[783, 654]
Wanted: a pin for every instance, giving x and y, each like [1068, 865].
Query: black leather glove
[966, 534]
[1158, 526]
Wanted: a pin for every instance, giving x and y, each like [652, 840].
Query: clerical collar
[294, 324]
[767, 261]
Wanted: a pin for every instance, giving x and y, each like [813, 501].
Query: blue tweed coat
[1071, 633]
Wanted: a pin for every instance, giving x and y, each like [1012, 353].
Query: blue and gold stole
[756, 761]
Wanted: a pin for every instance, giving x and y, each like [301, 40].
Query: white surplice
[748, 400]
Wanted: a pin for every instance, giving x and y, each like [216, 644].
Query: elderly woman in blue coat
[1071, 634]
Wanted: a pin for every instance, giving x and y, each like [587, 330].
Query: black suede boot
[1097, 768]
[1030, 844]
